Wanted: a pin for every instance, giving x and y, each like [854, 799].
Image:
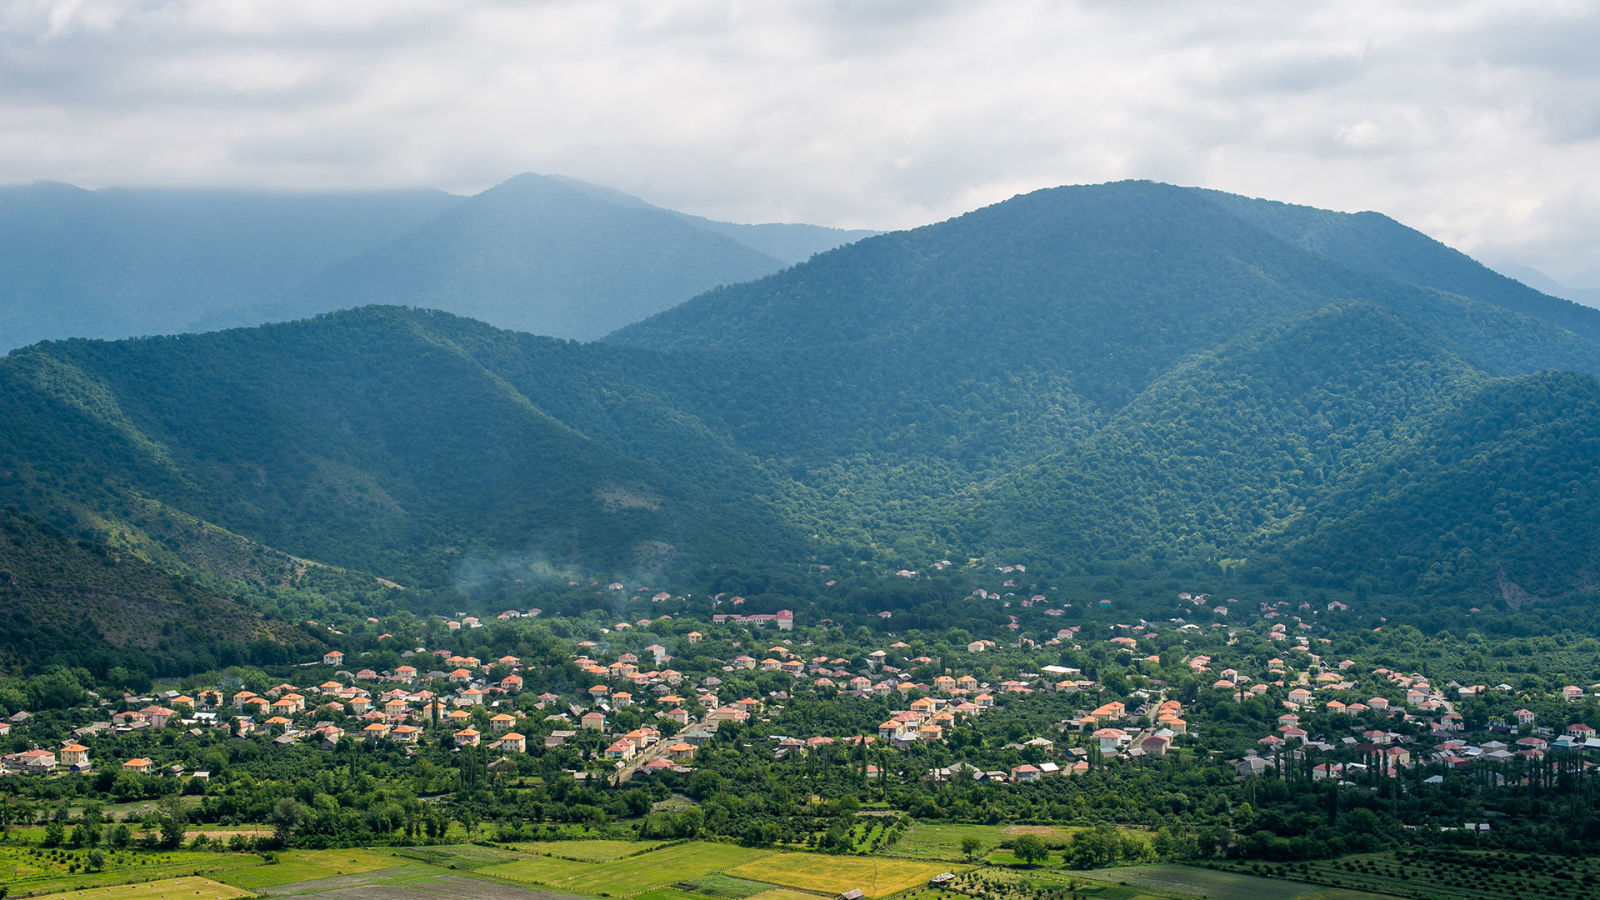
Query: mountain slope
[1126, 378]
[372, 439]
[1376, 244]
[80, 603]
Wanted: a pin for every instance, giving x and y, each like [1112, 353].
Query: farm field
[877, 876]
[30, 870]
[588, 851]
[190, 886]
[944, 841]
[459, 856]
[1452, 874]
[653, 870]
[1214, 883]
[307, 865]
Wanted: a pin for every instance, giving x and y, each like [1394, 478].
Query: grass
[587, 851]
[837, 874]
[725, 886]
[944, 841]
[636, 875]
[783, 894]
[460, 856]
[1447, 872]
[191, 886]
[669, 894]
[307, 865]
[31, 870]
[1210, 882]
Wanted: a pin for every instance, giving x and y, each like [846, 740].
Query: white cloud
[1474, 121]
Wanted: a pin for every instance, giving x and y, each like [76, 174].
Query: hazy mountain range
[542, 254]
[1124, 381]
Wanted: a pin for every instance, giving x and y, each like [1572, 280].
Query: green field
[725, 886]
[587, 851]
[307, 865]
[836, 874]
[944, 841]
[783, 894]
[1214, 883]
[31, 870]
[1446, 873]
[629, 877]
[191, 886]
[460, 856]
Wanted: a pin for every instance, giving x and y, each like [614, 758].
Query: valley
[1111, 541]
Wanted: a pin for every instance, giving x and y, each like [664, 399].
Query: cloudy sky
[1477, 122]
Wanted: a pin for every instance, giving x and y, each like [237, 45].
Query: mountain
[1127, 381]
[551, 256]
[378, 440]
[1589, 296]
[539, 253]
[82, 603]
[125, 262]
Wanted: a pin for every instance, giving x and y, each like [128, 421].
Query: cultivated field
[588, 851]
[33, 870]
[191, 886]
[631, 876]
[1213, 883]
[836, 874]
[944, 841]
[307, 865]
[1445, 873]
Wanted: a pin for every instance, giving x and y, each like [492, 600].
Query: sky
[1476, 122]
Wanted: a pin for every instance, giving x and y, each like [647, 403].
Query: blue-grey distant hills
[542, 254]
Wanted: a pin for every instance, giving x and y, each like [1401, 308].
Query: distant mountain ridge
[542, 254]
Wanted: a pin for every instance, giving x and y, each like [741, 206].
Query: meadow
[876, 876]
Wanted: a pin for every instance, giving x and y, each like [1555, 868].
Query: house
[594, 720]
[33, 760]
[74, 756]
[622, 749]
[1025, 772]
[140, 765]
[502, 722]
[511, 742]
[333, 658]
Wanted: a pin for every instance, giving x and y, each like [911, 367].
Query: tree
[173, 820]
[286, 816]
[970, 846]
[1030, 848]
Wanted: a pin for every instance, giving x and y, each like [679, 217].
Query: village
[635, 714]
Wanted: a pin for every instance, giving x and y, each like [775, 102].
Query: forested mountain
[539, 253]
[1126, 380]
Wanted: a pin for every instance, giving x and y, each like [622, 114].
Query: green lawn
[836, 874]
